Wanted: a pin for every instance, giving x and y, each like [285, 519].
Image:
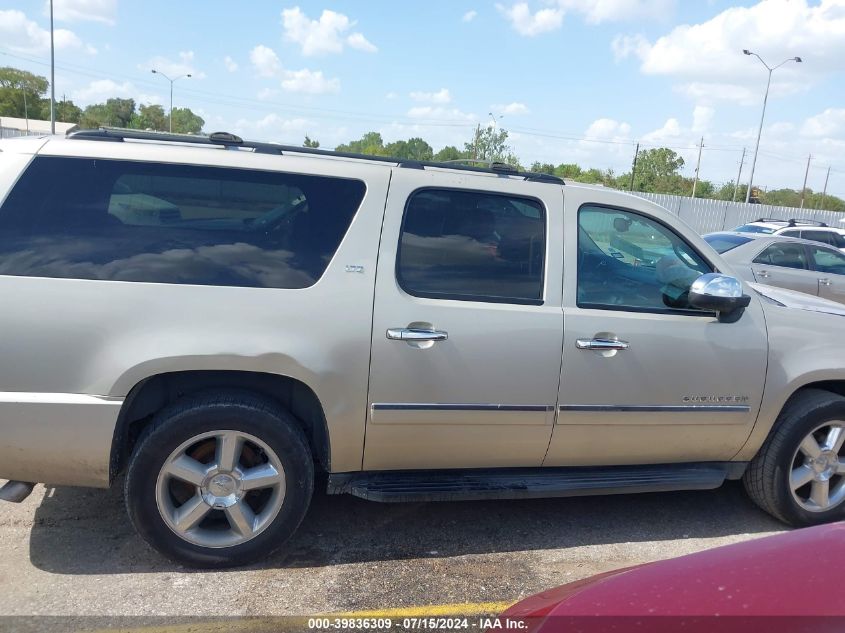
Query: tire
[768, 479]
[189, 507]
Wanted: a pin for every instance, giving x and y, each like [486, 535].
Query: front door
[646, 378]
[467, 324]
[829, 267]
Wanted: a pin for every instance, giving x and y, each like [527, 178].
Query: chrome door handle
[601, 344]
[414, 334]
[825, 282]
[764, 274]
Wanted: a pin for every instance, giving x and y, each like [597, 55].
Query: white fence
[706, 215]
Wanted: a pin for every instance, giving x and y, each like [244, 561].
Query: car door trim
[658, 408]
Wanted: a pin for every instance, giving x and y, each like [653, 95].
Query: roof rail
[227, 140]
[793, 221]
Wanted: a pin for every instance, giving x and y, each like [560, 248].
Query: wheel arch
[154, 392]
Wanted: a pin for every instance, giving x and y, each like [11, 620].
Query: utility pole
[804, 186]
[738, 175]
[634, 165]
[824, 191]
[697, 167]
[475, 142]
[52, 75]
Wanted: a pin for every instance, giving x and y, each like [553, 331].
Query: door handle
[764, 274]
[601, 344]
[416, 334]
[825, 282]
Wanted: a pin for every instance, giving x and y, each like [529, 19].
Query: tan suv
[215, 321]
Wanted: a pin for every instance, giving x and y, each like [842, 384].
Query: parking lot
[72, 552]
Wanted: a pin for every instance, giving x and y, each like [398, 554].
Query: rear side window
[165, 223]
[753, 228]
[827, 237]
[785, 254]
[472, 246]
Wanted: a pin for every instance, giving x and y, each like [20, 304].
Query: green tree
[412, 149]
[21, 94]
[568, 170]
[542, 168]
[658, 171]
[371, 143]
[491, 143]
[705, 189]
[310, 143]
[186, 122]
[450, 152]
[114, 113]
[67, 111]
[150, 117]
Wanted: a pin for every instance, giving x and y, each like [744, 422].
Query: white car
[804, 229]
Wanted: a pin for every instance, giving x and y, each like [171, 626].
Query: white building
[11, 126]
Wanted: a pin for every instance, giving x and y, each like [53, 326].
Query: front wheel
[219, 480]
[799, 474]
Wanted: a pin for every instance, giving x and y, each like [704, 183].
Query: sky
[573, 81]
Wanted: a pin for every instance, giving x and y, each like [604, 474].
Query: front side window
[626, 260]
[167, 223]
[784, 254]
[827, 260]
[472, 246]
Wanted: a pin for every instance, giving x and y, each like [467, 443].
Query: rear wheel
[799, 474]
[219, 480]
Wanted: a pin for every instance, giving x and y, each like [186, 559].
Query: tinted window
[791, 233]
[827, 260]
[827, 237]
[723, 242]
[153, 222]
[472, 246]
[626, 260]
[753, 228]
[785, 254]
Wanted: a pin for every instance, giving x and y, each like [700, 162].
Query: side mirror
[719, 293]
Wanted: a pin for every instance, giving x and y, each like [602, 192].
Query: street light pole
[158, 72]
[763, 115]
[52, 75]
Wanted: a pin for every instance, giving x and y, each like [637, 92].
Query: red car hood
[799, 573]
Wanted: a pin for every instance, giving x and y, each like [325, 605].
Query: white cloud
[829, 123]
[514, 109]
[83, 10]
[530, 24]
[441, 96]
[391, 96]
[669, 132]
[174, 68]
[469, 16]
[357, 40]
[439, 113]
[265, 60]
[707, 57]
[102, 89]
[702, 117]
[323, 36]
[230, 64]
[309, 82]
[549, 18]
[608, 129]
[22, 35]
[267, 64]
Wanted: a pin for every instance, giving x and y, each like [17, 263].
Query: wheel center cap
[825, 464]
[222, 485]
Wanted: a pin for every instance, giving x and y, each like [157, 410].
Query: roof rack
[793, 221]
[231, 141]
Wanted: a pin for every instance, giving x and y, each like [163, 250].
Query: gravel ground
[72, 552]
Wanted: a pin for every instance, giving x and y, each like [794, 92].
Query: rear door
[785, 264]
[467, 324]
[829, 266]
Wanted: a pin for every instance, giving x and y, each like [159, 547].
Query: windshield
[723, 242]
[754, 228]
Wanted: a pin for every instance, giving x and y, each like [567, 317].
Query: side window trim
[634, 309]
[474, 298]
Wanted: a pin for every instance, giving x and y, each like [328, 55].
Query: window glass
[826, 237]
[753, 228]
[785, 254]
[791, 233]
[167, 223]
[626, 260]
[723, 242]
[827, 260]
[472, 246]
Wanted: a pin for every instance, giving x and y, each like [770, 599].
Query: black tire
[767, 477]
[203, 413]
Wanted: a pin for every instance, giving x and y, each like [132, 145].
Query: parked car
[215, 320]
[803, 229]
[722, 589]
[801, 265]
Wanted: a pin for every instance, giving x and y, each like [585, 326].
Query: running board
[529, 483]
